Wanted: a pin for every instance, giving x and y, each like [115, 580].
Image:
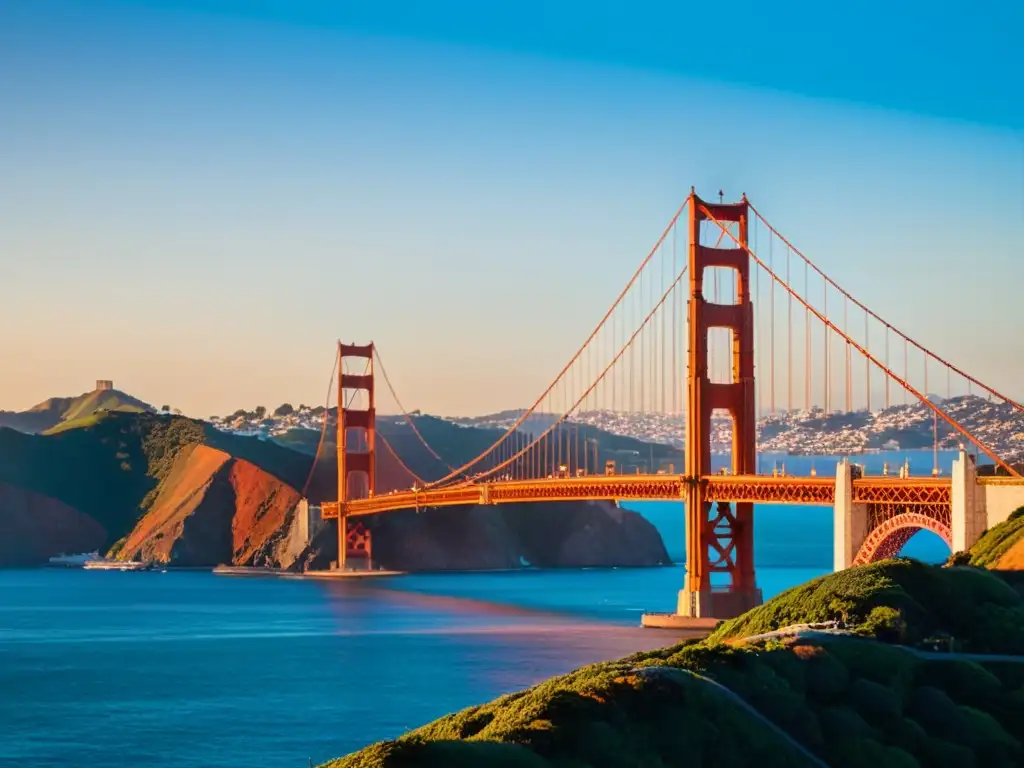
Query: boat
[93, 561]
[115, 565]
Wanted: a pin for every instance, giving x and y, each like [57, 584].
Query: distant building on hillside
[103, 385]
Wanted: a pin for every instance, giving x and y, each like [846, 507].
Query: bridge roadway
[759, 489]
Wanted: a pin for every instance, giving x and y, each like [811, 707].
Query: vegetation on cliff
[900, 601]
[111, 465]
[1002, 546]
[142, 477]
[848, 701]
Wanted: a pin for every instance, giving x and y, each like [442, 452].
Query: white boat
[115, 565]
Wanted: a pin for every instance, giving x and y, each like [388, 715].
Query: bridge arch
[887, 539]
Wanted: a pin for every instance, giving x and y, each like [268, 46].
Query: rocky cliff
[213, 508]
[170, 490]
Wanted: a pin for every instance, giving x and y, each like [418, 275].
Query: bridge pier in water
[355, 543]
[719, 536]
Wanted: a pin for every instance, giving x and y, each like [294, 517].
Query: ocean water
[191, 669]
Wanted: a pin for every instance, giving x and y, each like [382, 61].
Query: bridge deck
[732, 488]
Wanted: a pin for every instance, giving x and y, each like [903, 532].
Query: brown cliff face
[34, 528]
[213, 509]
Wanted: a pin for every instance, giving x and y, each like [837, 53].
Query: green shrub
[877, 704]
[965, 681]
[937, 713]
[900, 601]
[886, 624]
[940, 753]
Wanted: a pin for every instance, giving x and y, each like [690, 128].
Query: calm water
[190, 669]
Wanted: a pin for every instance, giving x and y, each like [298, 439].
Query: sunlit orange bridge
[680, 340]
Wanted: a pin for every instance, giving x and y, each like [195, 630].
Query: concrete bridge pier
[975, 504]
[850, 521]
[968, 518]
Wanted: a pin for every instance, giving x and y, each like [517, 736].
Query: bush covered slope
[851, 701]
[1002, 546]
[900, 601]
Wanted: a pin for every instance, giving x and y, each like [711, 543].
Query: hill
[809, 431]
[901, 601]
[116, 468]
[1001, 547]
[174, 490]
[798, 698]
[60, 412]
[459, 444]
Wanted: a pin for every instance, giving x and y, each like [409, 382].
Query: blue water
[190, 669]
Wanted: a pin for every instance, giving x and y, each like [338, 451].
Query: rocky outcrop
[34, 528]
[213, 509]
[544, 535]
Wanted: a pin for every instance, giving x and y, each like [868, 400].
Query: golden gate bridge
[680, 339]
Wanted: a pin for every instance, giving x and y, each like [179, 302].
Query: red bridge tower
[719, 540]
[354, 539]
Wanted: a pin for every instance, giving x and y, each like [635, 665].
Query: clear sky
[198, 198]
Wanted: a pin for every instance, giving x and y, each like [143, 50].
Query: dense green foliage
[995, 543]
[851, 701]
[900, 601]
[604, 715]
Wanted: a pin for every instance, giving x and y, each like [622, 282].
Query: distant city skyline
[195, 185]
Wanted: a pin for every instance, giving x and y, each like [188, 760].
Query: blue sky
[192, 185]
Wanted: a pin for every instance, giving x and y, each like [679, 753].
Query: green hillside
[1001, 540]
[109, 464]
[902, 601]
[847, 701]
[59, 412]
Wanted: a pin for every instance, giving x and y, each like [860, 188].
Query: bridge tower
[357, 459]
[719, 539]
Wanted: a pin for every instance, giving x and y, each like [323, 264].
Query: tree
[177, 411]
[165, 409]
[260, 412]
[959, 558]
[285, 409]
[241, 413]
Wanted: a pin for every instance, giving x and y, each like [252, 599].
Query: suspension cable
[625, 347]
[323, 426]
[408, 417]
[526, 414]
[877, 317]
[905, 384]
